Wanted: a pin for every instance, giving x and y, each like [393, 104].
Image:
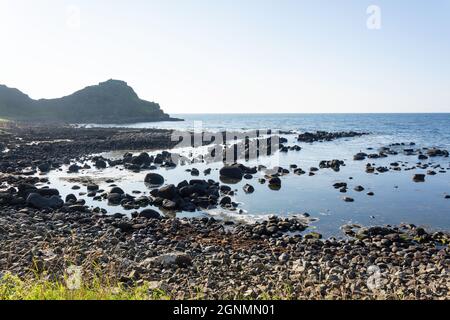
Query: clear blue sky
[235, 55]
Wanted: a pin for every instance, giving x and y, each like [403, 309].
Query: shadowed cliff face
[112, 101]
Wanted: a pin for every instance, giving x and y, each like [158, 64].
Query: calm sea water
[426, 127]
[397, 198]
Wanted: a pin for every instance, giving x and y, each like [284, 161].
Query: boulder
[167, 192]
[154, 179]
[73, 168]
[232, 172]
[248, 188]
[114, 198]
[116, 190]
[176, 258]
[419, 177]
[71, 198]
[44, 167]
[149, 214]
[47, 192]
[100, 164]
[37, 201]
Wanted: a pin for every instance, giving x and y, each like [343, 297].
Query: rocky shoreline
[198, 257]
[204, 258]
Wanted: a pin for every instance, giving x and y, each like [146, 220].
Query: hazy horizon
[232, 57]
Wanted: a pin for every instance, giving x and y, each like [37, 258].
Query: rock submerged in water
[419, 177]
[248, 188]
[348, 199]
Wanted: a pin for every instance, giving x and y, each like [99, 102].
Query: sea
[397, 198]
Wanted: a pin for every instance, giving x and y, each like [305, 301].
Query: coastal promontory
[112, 101]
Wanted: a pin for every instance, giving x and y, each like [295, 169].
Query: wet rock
[92, 187]
[360, 156]
[339, 185]
[326, 136]
[313, 235]
[149, 214]
[142, 159]
[116, 190]
[44, 167]
[225, 201]
[74, 168]
[154, 179]
[419, 177]
[170, 205]
[114, 198]
[71, 198]
[248, 188]
[359, 188]
[167, 192]
[332, 164]
[435, 152]
[348, 199]
[275, 181]
[232, 172]
[47, 192]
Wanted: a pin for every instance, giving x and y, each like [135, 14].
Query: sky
[235, 56]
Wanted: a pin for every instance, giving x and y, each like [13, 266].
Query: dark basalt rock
[419, 177]
[154, 179]
[114, 198]
[327, 136]
[248, 188]
[149, 214]
[167, 192]
[360, 156]
[39, 202]
[232, 172]
[332, 164]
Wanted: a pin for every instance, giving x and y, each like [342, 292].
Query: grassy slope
[13, 288]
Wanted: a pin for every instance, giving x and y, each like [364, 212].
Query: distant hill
[112, 101]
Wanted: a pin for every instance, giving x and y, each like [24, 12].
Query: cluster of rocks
[188, 258]
[422, 154]
[320, 136]
[41, 148]
[187, 196]
[332, 164]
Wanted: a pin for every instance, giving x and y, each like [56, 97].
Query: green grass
[14, 288]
